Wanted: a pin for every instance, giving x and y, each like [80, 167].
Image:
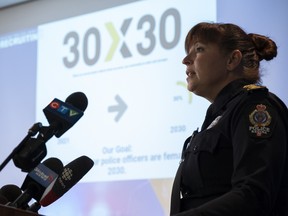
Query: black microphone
[54, 164]
[71, 174]
[3, 200]
[37, 181]
[10, 192]
[78, 100]
[34, 207]
[61, 117]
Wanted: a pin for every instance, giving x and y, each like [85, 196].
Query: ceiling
[9, 3]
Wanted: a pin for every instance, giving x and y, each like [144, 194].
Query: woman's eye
[199, 49]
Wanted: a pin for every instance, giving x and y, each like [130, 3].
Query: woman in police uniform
[236, 165]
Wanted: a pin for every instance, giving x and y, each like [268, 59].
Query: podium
[10, 211]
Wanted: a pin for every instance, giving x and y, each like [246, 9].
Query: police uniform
[236, 164]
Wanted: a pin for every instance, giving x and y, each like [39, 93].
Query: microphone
[37, 181]
[54, 164]
[10, 192]
[78, 100]
[57, 169]
[61, 117]
[3, 200]
[71, 174]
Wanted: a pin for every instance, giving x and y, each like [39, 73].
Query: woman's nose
[186, 60]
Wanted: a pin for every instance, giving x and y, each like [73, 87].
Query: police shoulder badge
[260, 120]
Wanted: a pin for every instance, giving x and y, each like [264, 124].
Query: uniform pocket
[208, 155]
[208, 140]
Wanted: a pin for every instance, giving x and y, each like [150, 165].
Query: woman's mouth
[190, 73]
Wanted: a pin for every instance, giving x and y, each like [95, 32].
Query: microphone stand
[31, 132]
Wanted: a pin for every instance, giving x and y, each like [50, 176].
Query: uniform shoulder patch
[260, 121]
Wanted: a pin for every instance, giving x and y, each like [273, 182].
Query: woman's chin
[191, 87]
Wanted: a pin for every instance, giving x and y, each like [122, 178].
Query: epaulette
[253, 87]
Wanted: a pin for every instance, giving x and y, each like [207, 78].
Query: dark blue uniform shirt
[236, 165]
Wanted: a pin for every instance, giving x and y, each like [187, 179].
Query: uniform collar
[226, 94]
[216, 109]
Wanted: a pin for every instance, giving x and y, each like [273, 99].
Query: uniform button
[195, 148]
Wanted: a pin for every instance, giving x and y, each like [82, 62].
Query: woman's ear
[234, 60]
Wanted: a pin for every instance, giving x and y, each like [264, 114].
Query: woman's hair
[229, 37]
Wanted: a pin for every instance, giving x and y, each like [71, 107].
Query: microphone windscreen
[11, 192]
[71, 174]
[78, 100]
[54, 164]
[3, 200]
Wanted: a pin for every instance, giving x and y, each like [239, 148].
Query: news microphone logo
[66, 177]
[62, 114]
[43, 175]
[67, 174]
[65, 110]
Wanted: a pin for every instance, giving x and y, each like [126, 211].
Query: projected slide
[127, 60]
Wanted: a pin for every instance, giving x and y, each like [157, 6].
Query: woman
[236, 165]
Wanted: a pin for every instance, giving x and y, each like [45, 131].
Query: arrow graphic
[120, 108]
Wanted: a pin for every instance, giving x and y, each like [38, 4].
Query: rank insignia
[252, 87]
[260, 120]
